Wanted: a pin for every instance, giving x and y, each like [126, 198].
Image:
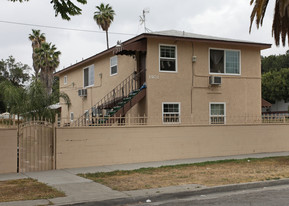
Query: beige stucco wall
[102, 86]
[8, 150]
[84, 147]
[190, 87]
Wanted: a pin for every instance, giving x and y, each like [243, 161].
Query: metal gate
[36, 146]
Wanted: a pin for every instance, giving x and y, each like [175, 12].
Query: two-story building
[168, 77]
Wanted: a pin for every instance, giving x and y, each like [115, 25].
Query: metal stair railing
[132, 83]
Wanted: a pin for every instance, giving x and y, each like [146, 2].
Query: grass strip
[26, 189]
[212, 173]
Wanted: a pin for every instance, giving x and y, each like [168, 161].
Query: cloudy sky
[222, 18]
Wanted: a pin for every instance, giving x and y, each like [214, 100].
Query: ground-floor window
[71, 116]
[171, 112]
[217, 113]
[86, 115]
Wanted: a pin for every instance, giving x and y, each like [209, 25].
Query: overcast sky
[222, 18]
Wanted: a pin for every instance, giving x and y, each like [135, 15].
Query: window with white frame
[71, 116]
[168, 58]
[217, 113]
[224, 61]
[65, 79]
[113, 65]
[171, 112]
[88, 76]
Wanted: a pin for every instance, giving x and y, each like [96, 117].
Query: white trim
[179, 113]
[225, 112]
[71, 119]
[114, 65]
[89, 68]
[176, 58]
[224, 49]
[65, 79]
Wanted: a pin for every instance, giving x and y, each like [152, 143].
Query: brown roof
[266, 103]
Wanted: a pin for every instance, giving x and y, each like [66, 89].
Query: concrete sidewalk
[78, 189]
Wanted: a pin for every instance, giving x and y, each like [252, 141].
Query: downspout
[193, 73]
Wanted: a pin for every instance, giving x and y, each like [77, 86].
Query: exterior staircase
[116, 103]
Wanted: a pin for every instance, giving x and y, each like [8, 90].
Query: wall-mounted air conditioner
[82, 92]
[215, 80]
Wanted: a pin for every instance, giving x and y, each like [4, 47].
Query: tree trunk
[107, 38]
[49, 81]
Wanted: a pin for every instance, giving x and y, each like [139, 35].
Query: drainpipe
[193, 52]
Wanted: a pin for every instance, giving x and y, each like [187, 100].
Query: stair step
[121, 103]
[111, 113]
[126, 99]
[116, 108]
[132, 94]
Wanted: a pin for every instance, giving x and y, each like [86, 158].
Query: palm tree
[103, 18]
[47, 58]
[280, 26]
[37, 38]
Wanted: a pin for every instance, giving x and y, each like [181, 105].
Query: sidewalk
[78, 189]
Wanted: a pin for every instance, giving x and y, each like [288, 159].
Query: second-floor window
[168, 58]
[88, 76]
[113, 65]
[224, 61]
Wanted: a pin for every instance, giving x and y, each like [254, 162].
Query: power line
[61, 28]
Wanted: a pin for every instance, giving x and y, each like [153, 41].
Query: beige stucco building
[184, 78]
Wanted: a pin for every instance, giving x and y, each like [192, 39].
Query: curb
[180, 195]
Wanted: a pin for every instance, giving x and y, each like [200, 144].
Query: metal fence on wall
[168, 120]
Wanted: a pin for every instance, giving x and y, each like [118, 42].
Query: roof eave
[260, 45]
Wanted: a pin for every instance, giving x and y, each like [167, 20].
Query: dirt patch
[208, 174]
[26, 189]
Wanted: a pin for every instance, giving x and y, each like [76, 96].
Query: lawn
[207, 174]
[26, 189]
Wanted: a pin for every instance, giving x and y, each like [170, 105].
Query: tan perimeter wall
[84, 147]
[8, 150]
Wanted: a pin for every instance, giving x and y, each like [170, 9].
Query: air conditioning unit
[82, 92]
[215, 80]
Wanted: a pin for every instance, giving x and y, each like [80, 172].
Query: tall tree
[104, 17]
[275, 62]
[13, 97]
[280, 26]
[47, 58]
[14, 74]
[37, 38]
[65, 8]
[275, 85]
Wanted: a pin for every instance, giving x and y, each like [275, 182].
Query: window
[217, 113]
[65, 79]
[224, 61]
[171, 112]
[71, 116]
[168, 58]
[88, 76]
[86, 115]
[113, 65]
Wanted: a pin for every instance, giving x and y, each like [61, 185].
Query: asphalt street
[270, 196]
